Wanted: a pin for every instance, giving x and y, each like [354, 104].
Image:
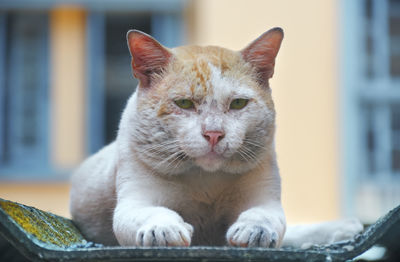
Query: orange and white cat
[194, 160]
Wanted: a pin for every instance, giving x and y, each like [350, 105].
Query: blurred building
[65, 77]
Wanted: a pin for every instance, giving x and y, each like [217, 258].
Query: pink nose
[213, 137]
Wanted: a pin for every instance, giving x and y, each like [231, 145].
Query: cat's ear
[261, 53]
[149, 57]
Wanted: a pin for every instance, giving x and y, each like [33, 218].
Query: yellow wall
[304, 87]
[52, 197]
[67, 39]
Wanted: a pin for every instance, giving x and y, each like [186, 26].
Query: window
[372, 107]
[23, 92]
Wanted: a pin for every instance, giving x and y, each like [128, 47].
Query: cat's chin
[210, 162]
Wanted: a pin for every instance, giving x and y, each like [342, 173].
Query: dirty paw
[178, 234]
[243, 234]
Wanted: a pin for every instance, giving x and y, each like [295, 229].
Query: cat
[194, 159]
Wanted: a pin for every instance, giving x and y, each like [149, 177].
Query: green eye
[184, 103]
[238, 103]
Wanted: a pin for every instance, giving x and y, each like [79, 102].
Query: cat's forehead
[221, 57]
[211, 71]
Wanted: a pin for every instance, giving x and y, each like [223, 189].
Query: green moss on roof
[45, 227]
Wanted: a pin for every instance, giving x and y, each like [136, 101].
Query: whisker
[180, 160]
[243, 156]
[177, 159]
[251, 155]
[160, 150]
[253, 143]
[175, 156]
[160, 145]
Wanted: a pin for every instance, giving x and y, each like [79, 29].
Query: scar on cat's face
[211, 99]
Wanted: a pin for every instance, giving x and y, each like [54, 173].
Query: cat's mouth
[212, 155]
[211, 161]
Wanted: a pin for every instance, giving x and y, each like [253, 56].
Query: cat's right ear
[149, 57]
[261, 53]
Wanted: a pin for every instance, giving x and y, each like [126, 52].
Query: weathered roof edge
[80, 250]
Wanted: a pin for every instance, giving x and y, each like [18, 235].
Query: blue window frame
[24, 77]
[371, 106]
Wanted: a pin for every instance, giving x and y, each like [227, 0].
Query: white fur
[162, 184]
[305, 236]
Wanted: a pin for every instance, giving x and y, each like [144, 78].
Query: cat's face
[203, 106]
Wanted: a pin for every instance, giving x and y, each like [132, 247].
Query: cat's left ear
[261, 53]
[149, 57]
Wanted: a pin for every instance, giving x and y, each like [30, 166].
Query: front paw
[164, 234]
[346, 229]
[250, 234]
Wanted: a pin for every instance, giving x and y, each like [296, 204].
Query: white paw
[164, 233]
[347, 229]
[250, 234]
